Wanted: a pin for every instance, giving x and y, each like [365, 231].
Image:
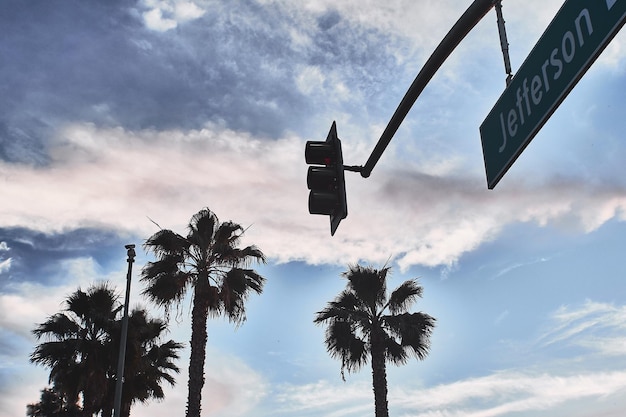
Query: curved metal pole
[122, 353]
[477, 10]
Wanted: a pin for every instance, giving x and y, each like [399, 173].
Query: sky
[118, 117]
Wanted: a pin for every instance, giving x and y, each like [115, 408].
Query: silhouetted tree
[209, 262]
[148, 363]
[78, 349]
[363, 322]
[81, 346]
[52, 404]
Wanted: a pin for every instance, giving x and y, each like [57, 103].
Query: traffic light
[326, 178]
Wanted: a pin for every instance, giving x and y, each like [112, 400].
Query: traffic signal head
[326, 178]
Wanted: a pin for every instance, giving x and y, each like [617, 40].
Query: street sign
[574, 39]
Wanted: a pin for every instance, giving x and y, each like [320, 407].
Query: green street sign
[574, 39]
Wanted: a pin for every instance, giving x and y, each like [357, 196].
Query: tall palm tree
[363, 322]
[209, 262]
[81, 349]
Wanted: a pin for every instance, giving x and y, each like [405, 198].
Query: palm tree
[81, 346]
[52, 404]
[362, 321]
[147, 362]
[77, 349]
[209, 262]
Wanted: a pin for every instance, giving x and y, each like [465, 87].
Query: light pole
[122, 353]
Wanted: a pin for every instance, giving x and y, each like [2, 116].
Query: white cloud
[517, 265]
[154, 20]
[163, 15]
[613, 56]
[425, 23]
[168, 176]
[24, 313]
[231, 389]
[596, 326]
[323, 396]
[310, 79]
[499, 394]
[24, 389]
[505, 393]
[72, 273]
[188, 10]
[5, 265]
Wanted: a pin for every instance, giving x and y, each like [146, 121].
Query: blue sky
[115, 114]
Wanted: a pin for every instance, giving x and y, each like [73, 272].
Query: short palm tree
[363, 322]
[81, 349]
[148, 362]
[209, 262]
[52, 404]
[77, 348]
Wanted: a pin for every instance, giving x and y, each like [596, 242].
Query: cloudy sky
[119, 114]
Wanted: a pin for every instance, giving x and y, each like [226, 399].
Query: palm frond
[204, 223]
[394, 351]
[144, 328]
[169, 264]
[241, 281]
[57, 327]
[228, 234]
[167, 289]
[53, 353]
[78, 303]
[224, 251]
[167, 352]
[369, 284]
[413, 330]
[243, 257]
[236, 286]
[202, 228]
[213, 300]
[344, 344]
[101, 307]
[347, 307]
[166, 242]
[403, 296]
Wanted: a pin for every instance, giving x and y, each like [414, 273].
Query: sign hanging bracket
[504, 43]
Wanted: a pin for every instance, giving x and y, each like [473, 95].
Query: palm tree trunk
[198, 347]
[379, 376]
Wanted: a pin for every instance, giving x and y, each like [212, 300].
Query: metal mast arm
[477, 10]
